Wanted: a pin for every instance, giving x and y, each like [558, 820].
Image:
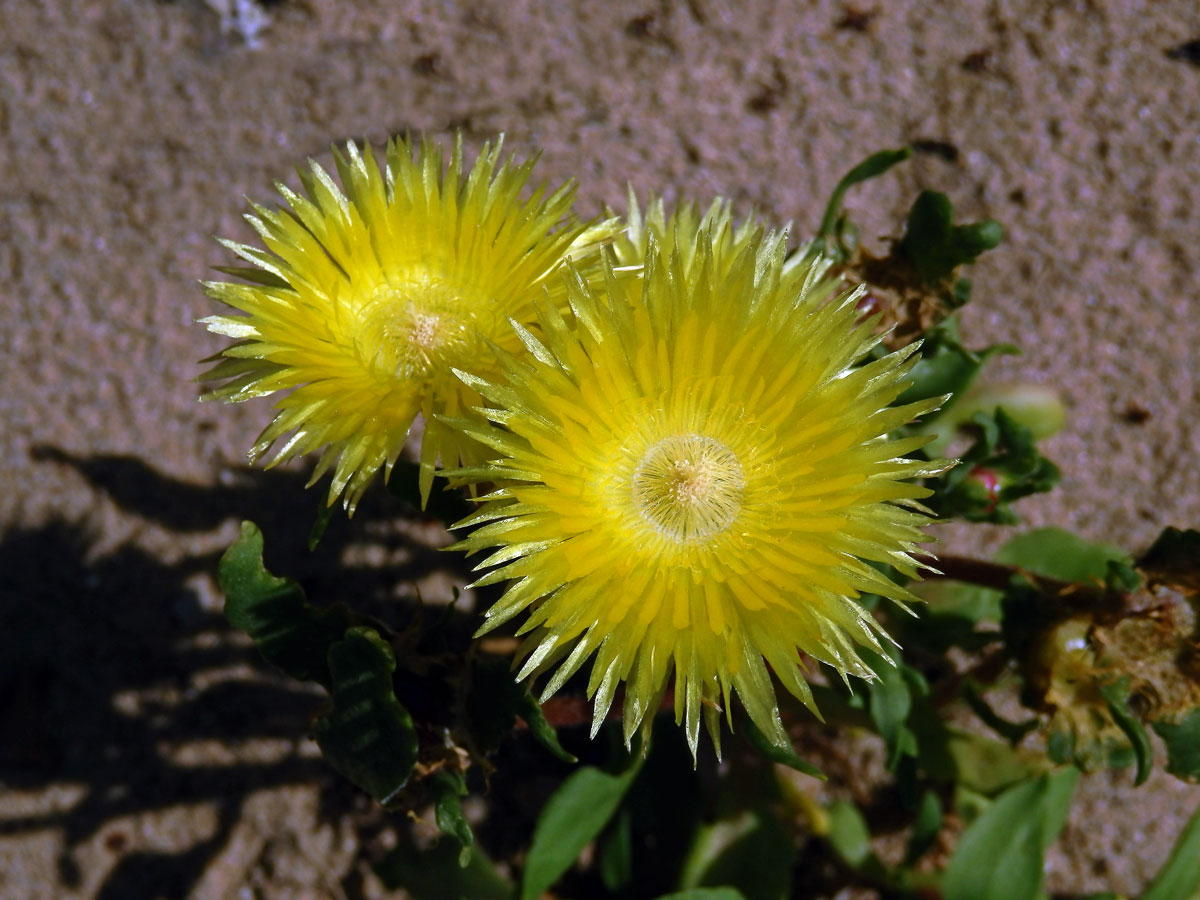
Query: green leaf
[1060, 747]
[325, 513]
[436, 874]
[748, 850]
[494, 700]
[292, 634]
[1179, 879]
[1121, 577]
[871, 167]
[946, 366]
[889, 702]
[935, 245]
[1051, 553]
[493, 696]
[1037, 407]
[969, 804]
[925, 827]
[960, 293]
[716, 893]
[1183, 745]
[571, 819]
[543, 732]
[448, 786]
[614, 852]
[1055, 553]
[849, 835]
[1002, 466]
[989, 766]
[367, 735]
[850, 839]
[949, 616]
[1001, 854]
[1116, 696]
[786, 756]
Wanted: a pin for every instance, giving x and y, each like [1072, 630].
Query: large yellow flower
[363, 302]
[694, 480]
[687, 230]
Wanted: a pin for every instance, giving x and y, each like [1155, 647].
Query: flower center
[688, 487]
[415, 328]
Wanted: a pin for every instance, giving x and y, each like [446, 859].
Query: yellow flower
[683, 229]
[687, 230]
[362, 303]
[694, 479]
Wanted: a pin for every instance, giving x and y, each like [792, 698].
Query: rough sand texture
[131, 131]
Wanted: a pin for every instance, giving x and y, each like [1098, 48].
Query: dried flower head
[363, 302]
[695, 479]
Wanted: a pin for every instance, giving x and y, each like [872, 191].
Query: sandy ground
[138, 757]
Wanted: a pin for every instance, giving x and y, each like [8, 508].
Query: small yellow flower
[363, 302]
[694, 479]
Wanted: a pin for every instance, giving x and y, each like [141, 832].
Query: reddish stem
[998, 576]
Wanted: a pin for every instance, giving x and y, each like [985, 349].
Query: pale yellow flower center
[417, 328]
[688, 487]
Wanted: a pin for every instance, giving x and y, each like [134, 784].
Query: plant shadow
[112, 669]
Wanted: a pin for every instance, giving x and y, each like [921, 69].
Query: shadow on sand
[99, 661]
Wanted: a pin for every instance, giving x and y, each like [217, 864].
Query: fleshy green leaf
[1183, 745]
[614, 852]
[833, 222]
[494, 700]
[889, 702]
[571, 819]
[988, 766]
[849, 835]
[1116, 696]
[436, 874]
[1038, 407]
[950, 616]
[850, 839]
[292, 634]
[1001, 854]
[1179, 879]
[946, 366]
[1060, 747]
[784, 755]
[925, 827]
[543, 732]
[935, 245]
[748, 850]
[1002, 466]
[1055, 553]
[1051, 553]
[493, 696]
[325, 514]
[448, 787]
[367, 735]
